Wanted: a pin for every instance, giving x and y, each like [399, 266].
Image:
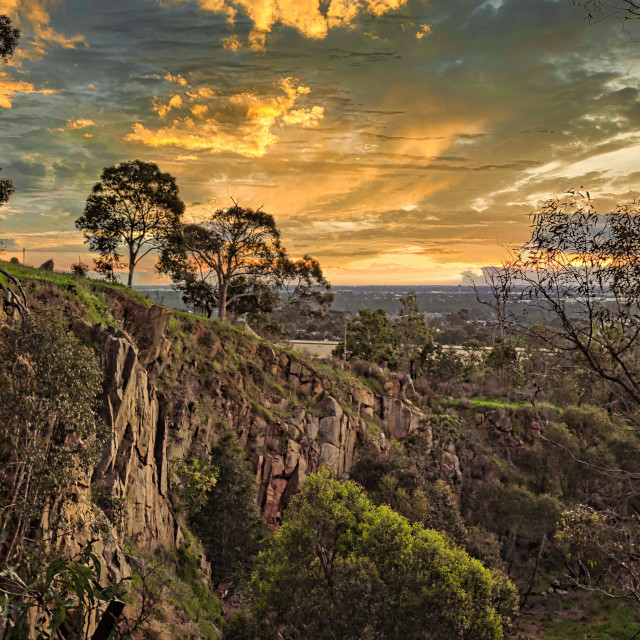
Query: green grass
[496, 404]
[598, 619]
[90, 295]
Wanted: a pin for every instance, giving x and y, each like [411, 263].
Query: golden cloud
[304, 15]
[81, 123]
[9, 87]
[33, 17]
[243, 123]
[177, 79]
[232, 43]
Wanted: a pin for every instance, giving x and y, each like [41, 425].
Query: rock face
[150, 427]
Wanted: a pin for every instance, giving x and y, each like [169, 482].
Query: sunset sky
[397, 141]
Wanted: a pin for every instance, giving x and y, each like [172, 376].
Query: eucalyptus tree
[9, 37]
[234, 262]
[581, 271]
[135, 206]
[342, 567]
[12, 299]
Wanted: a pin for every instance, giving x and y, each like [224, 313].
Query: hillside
[175, 386]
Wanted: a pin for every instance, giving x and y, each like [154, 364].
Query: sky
[396, 141]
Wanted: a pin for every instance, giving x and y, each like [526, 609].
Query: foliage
[267, 327]
[440, 365]
[106, 266]
[303, 288]
[409, 304]
[9, 37]
[415, 333]
[402, 480]
[6, 189]
[602, 550]
[232, 243]
[197, 478]
[234, 262]
[580, 269]
[229, 525]
[50, 435]
[370, 337]
[60, 599]
[341, 567]
[79, 269]
[134, 205]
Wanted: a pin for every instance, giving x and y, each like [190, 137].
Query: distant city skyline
[397, 141]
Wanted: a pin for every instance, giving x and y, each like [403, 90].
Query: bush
[341, 567]
[229, 523]
[49, 434]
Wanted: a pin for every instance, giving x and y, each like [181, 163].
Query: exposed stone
[400, 419]
[330, 428]
[330, 407]
[313, 427]
[330, 455]
[499, 418]
[293, 457]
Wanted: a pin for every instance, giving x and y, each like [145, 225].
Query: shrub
[341, 567]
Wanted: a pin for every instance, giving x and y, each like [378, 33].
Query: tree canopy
[234, 261]
[48, 386]
[341, 567]
[370, 337]
[135, 206]
[9, 37]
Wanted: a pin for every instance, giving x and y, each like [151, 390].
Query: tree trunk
[132, 266]
[222, 302]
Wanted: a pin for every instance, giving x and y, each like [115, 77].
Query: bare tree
[598, 10]
[499, 279]
[581, 271]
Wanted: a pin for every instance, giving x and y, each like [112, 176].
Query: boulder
[499, 418]
[330, 428]
[330, 407]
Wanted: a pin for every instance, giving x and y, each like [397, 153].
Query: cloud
[311, 18]
[34, 19]
[80, 123]
[243, 123]
[10, 86]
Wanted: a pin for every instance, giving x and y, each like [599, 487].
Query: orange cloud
[243, 123]
[81, 123]
[9, 87]
[304, 15]
[232, 43]
[177, 79]
[33, 17]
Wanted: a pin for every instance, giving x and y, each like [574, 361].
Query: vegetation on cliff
[214, 433]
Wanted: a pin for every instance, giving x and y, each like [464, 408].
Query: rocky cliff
[171, 379]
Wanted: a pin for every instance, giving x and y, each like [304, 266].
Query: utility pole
[24, 257]
[346, 320]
